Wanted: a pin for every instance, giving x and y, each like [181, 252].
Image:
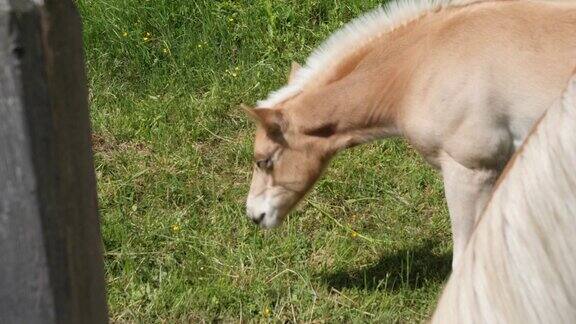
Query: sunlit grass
[173, 157]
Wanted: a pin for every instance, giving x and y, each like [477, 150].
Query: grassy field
[173, 156]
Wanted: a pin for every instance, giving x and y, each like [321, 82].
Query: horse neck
[366, 101]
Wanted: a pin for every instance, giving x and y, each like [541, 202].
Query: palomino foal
[462, 81]
[520, 263]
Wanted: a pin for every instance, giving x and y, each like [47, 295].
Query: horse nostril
[259, 219]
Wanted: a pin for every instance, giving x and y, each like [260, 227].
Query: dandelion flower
[354, 234]
[125, 34]
[175, 228]
[267, 312]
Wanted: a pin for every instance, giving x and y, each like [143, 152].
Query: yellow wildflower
[354, 234]
[175, 228]
[125, 34]
[146, 39]
[267, 312]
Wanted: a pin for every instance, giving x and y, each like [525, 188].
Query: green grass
[173, 157]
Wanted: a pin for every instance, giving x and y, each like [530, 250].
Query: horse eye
[264, 163]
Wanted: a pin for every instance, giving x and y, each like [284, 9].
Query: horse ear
[295, 68]
[250, 112]
[271, 119]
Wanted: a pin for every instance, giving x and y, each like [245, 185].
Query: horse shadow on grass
[410, 268]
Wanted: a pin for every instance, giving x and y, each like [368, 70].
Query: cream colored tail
[520, 265]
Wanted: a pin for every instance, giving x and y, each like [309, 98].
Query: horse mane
[355, 36]
[519, 264]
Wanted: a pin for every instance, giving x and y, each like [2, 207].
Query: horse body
[463, 83]
[519, 264]
[474, 99]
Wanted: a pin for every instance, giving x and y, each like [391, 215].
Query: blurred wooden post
[51, 268]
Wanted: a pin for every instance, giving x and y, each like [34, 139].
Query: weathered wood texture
[51, 268]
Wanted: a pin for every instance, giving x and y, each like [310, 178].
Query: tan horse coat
[463, 83]
[520, 264]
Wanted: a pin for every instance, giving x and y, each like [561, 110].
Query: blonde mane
[356, 35]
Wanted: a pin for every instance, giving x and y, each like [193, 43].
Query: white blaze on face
[262, 205]
[262, 209]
